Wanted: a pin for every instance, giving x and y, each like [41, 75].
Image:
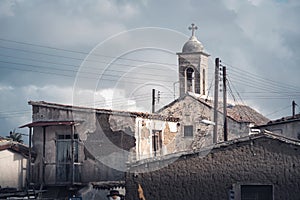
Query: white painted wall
[12, 169]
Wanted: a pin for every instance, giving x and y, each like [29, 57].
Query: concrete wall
[13, 169]
[288, 129]
[260, 161]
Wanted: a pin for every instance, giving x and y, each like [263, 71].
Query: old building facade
[285, 126]
[261, 166]
[193, 133]
[76, 145]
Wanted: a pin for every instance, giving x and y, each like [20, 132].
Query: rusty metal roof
[16, 147]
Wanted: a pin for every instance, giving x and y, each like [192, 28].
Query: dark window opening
[156, 141]
[190, 80]
[66, 136]
[256, 192]
[188, 131]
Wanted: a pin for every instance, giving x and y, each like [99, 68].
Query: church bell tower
[192, 66]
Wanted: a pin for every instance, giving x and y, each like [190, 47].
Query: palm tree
[14, 136]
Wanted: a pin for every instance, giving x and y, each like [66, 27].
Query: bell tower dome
[193, 66]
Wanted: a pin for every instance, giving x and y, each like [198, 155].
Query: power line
[240, 81]
[281, 109]
[258, 77]
[243, 103]
[76, 67]
[90, 73]
[78, 52]
[251, 78]
[81, 52]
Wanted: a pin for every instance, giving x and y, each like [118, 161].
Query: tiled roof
[14, 146]
[243, 113]
[282, 120]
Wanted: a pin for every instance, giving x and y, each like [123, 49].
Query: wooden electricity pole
[293, 108]
[153, 100]
[225, 104]
[216, 100]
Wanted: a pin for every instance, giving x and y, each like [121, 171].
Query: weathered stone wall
[191, 112]
[259, 161]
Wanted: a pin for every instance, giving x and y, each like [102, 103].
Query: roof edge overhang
[271, 123]
[51, 123]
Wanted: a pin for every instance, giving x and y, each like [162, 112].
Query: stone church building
[194, 105]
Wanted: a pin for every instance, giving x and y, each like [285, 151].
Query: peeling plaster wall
[191, 112]
[99, 136]
[146, 128]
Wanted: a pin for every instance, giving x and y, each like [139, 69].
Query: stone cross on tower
[193, 28]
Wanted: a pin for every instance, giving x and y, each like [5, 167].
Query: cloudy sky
[91, 52]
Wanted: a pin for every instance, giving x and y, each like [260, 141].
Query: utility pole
[293, 108]
[29, 158]
[216, 100]
[225, 104]
[72, 155]
[153, 100]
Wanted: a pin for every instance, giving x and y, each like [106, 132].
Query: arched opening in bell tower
[190, 80]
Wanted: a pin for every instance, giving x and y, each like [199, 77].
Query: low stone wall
[258, 161]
